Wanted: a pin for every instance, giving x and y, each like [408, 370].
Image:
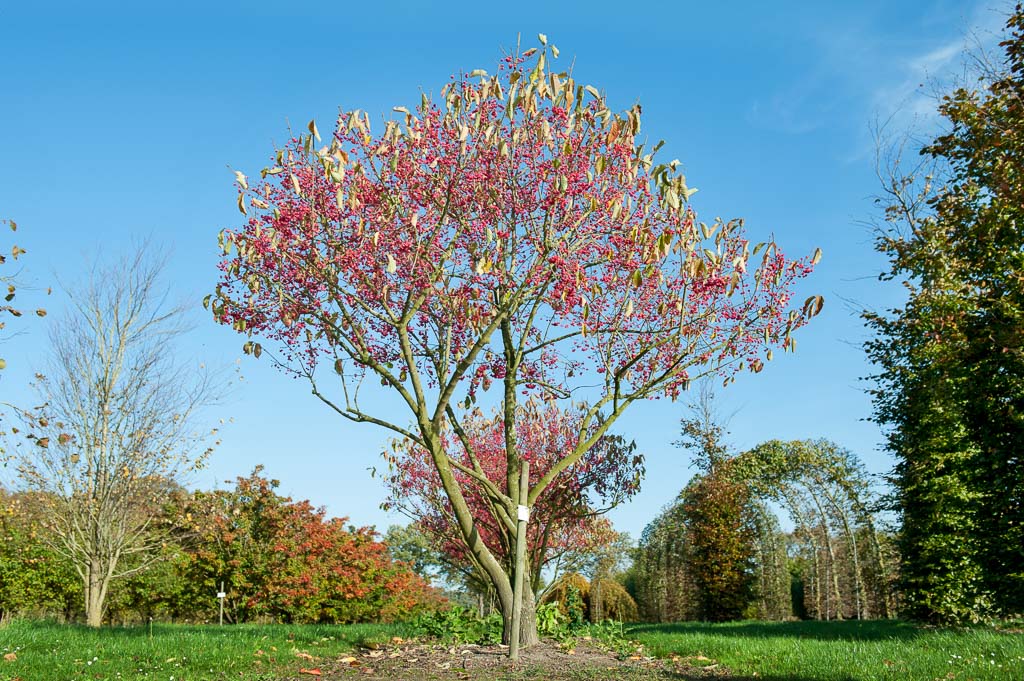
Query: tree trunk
[528, 635]
[528, 619]
[95, 593]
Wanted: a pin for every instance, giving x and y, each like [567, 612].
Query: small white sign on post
[221, 595]
[524, 513]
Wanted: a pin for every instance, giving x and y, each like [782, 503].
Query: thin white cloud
[860, 69]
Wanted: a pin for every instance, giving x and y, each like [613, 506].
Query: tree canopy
[950, 381]
[515, 232]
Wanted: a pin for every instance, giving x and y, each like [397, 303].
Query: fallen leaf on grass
[304, 656]
[10, 657]
[311, 672]
[375, 653]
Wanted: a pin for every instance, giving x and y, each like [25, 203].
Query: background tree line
[719, 552]
[279, 561]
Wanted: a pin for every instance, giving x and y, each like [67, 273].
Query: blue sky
[120, 122]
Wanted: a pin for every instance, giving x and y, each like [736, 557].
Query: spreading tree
[513, 233]
[566, 522]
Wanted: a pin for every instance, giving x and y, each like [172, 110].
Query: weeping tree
[772, 588]
[116, 427]
[714, 554]
[717, 550]
[665, 591]
[513, 233]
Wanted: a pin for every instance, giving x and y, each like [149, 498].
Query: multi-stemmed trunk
[500, 577]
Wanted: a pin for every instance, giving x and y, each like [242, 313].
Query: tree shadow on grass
[849, 630]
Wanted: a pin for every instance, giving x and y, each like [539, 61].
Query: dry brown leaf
[311, 672]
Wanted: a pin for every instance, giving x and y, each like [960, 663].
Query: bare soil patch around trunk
[419, 661]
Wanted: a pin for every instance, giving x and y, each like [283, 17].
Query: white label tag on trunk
[524, 513]
[221, 594]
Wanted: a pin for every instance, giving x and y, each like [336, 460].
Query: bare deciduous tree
[116, 427]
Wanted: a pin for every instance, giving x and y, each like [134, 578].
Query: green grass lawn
[804, 651]
[842, 651]
[46, 651]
